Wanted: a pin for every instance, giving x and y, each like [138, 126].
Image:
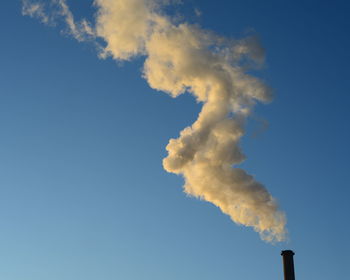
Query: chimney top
[287, 252]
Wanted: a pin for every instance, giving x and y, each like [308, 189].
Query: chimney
[288, 264]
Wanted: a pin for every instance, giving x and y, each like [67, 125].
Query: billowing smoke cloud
[182, 57]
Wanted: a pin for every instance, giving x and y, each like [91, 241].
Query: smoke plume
[179, 58]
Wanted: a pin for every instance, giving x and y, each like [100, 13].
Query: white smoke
[185, 58]
[35, 10]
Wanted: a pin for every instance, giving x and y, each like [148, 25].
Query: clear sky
[83, 194]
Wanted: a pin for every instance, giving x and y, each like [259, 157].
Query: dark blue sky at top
[83, 194]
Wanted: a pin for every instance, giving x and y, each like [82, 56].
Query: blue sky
[83, 191]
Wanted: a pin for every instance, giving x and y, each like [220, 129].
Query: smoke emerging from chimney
[179, 58]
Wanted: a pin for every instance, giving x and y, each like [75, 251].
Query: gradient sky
[83, 194]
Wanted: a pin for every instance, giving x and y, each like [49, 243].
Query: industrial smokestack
[288, 264]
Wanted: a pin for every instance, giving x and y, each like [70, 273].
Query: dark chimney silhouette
[288, 264]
